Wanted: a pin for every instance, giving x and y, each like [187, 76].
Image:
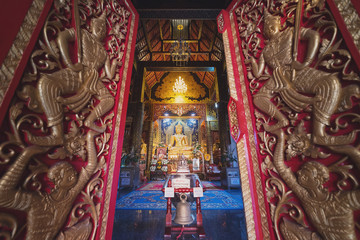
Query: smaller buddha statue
[143, 148]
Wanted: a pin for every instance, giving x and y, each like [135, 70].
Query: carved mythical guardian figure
[81, 78]
[325, 87]
[330, 213]
[47, 212]
[56, 179]
[320, 92]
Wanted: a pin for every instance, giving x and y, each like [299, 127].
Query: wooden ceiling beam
[180, 69]
[192, 30]
[167, 29]
[161, 37]
[200, 29]
[189, 64]
[156, 78]
[203, 78]
[208, 14]
[143, 57]
[141, 39]
[156, 44]
[157, 58]
[146, 36]
[185, 40]
[141, 50]
[205, 44]
[211, 49]
[216, 55]
[153, 27]
[212, 43]
[199, 37]
[160, 29]
[212, 31]
[155, 37]
[191, 53]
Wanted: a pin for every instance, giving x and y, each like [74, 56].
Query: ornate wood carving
[351, 18]
[179, 109]
[221, 22]
[61, 122]
[234, 120]
[306, 94]
[255, 208]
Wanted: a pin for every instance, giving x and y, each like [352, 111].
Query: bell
[183, 211]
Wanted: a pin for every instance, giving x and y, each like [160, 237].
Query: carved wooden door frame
[241, 112]
[111, 190]
[241, 129]
[15, 53]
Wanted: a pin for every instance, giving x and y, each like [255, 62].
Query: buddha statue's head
[178, 128]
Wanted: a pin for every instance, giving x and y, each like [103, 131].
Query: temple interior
[177, 111]
[180, 119]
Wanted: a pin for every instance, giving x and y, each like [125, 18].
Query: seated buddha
[178, 139]
[179, 143]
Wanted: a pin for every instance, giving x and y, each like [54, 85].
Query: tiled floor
[150, 224]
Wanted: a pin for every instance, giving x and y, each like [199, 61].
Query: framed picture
[161, 153]
[214, 125]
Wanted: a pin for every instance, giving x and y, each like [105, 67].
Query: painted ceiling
[154, 40]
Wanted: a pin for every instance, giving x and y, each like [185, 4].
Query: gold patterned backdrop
[196, 92]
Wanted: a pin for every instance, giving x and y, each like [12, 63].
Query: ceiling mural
[196, 91]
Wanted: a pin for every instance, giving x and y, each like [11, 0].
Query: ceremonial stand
[169, 229]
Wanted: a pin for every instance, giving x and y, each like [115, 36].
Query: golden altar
[175, 152]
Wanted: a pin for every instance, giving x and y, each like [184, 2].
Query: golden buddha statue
[179, 143]
[179, 139]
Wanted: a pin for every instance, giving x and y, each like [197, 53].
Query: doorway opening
[178, 110]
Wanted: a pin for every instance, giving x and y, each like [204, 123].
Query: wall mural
[305, 88]
[163, 91]
[56, 141]
[212, 113]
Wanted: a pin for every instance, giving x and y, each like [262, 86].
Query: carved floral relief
[305, 88]
[233, 120]
[179, 109]
[54, 152]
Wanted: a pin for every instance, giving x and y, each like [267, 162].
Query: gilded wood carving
[54, 156]
[351, 19]
[306, 91]
[233, 120]
[179, 109]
